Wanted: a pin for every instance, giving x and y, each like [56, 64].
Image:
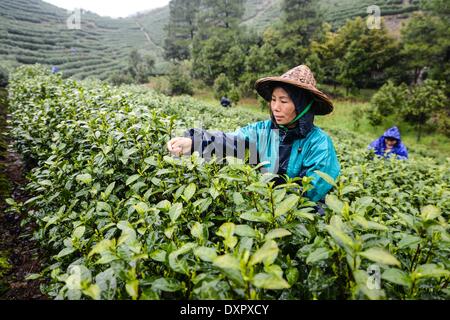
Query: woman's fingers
[172, 145]
[178, 146]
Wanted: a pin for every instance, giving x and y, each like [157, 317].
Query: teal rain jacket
[313, 152]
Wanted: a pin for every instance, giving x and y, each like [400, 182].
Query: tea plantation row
[123, 220]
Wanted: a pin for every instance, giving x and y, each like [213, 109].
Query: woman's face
[283, 108]
[390, 143]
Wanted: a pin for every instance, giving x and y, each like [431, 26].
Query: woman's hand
[179, 146]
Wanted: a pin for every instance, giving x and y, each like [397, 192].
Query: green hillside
[337, 11]
[153, 23]
[261, 13]
[33, 31]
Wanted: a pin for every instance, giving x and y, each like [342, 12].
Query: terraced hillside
[153, 23]
[32, 31]
[337, 11]
[261, 13]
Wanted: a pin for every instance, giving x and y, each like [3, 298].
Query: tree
[426, 46]
[224, 14]
[181, 28]
[300, 22]
[223, 52]
[220, 44]
[417, 105]
[118, 78]
[363, 54]
[425, 100]
[388, 100]
[224, 88]
[140, 67]
[437, 7]
[324, 56]
[208, 56]
[180, 81]
[259, 62]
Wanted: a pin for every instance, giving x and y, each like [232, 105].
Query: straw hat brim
[265, 86]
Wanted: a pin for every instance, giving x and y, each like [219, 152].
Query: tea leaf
[175, 211]
[317, 255]
[380, 255]
[167, 285]
[102, 246]
[269, 281]
[205, 253]
[226, 261]
[132, 179]
[64, 252]
[287, 204]
[85, 178]
[141, 208]
[93, 291]
[341, 238]
[397, 276]
[177, 264]
[430, 270]
[334, 203]
[430, 212]
[238, 199]
[244, 230]
[277, 233]
[132, 287]
[326, 177]
[109, 189]
[256, 216]
[189, 191]
[267, 253]
[78, 232]
[197, 230]
[409, 241]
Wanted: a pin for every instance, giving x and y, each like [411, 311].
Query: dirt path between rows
[19, 254]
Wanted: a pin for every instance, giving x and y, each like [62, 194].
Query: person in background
[225, 102]
[389, 144]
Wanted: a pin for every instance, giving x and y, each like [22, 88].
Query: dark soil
[22, 254]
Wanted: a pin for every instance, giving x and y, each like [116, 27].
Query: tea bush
[126, 221]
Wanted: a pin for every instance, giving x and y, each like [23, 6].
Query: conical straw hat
[301, 77]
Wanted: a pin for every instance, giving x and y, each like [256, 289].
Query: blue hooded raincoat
[399, 149]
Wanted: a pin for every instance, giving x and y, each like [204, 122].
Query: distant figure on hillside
[225, 102]
[55, 69]
[390, 143]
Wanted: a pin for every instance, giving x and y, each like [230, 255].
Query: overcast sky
[112, 8]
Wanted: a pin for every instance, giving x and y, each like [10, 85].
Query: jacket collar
[300, 131]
